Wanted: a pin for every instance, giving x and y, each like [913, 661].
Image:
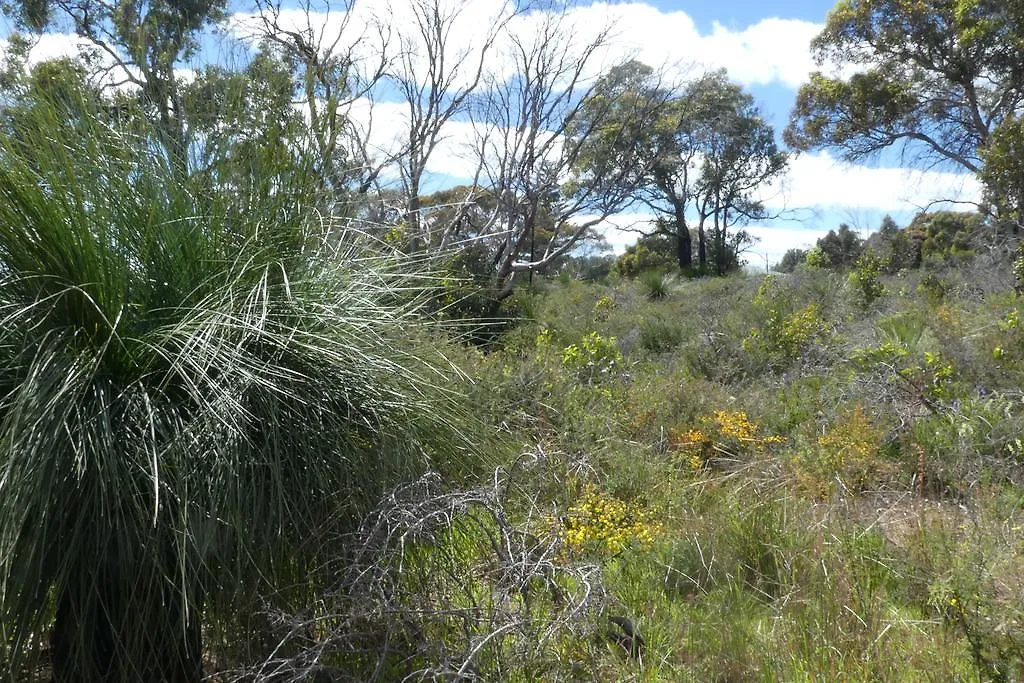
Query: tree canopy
[935, 77]
[699, 162]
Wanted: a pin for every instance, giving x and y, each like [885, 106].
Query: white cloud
[773, 242]
[49, 46]
[53, 46]
[389, 30]
[819, 180]
[773, 50]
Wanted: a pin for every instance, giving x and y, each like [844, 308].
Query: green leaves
[190, 389]
[937, 76]
[696, 153]
[855, 113]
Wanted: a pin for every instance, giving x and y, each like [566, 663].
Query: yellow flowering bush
[599, 523]
[846, 454]
[395, 235]
[694, 445]
[784, 333]
[603, 307]
[544, 338]
[729, 432]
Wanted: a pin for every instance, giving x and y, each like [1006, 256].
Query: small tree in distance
[702, 161]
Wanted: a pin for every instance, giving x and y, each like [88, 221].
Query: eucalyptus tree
[141, 45]
[534, 122]
[193, 394]
[699, 161]
[337, 60]
[290, 69]
[739, 160]
[440, 63]
[245, 119]
[934, 78]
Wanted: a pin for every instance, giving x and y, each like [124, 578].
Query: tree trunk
[684, 247]
[96, 634]
[702, 247]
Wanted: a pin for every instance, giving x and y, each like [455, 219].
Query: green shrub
[654, 252]
[658, 334]
[845, 458]
[817, 258]
[785, 331]
[656, 283]
[592, 355]
[865, 279]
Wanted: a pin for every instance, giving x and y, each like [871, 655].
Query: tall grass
[195, 383]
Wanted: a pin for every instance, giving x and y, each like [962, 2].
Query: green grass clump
[194, 396]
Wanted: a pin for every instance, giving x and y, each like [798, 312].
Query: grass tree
[194, 384]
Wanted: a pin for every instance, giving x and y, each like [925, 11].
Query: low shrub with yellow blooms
[603, 307]
[784, 333]
[600, 523]
[846, 454]
[727, 432]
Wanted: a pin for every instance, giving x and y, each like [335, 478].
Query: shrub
[603, 308]
[784, 333]
[658, 334]
[593, 355]
[846, 455]
[817, 258]
[653, 252]
[656, 283]
[599, 523]
[722, 434]
[865, 279]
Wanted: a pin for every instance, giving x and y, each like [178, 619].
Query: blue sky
[763, 46]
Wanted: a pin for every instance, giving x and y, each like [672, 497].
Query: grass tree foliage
[195, 386]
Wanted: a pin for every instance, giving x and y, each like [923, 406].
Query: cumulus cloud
[108, 73]
[774, 50]
[53, 46]
[771, 51]
[820, 180]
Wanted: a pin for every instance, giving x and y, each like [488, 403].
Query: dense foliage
[265, 417]
[192, 392]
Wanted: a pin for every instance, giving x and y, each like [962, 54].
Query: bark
[684, 247]
[702, 246]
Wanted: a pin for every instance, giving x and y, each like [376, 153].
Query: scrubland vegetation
[314, 464]
[779, 478]
[270, 412]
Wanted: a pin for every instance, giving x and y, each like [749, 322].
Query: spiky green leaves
[192, 389]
